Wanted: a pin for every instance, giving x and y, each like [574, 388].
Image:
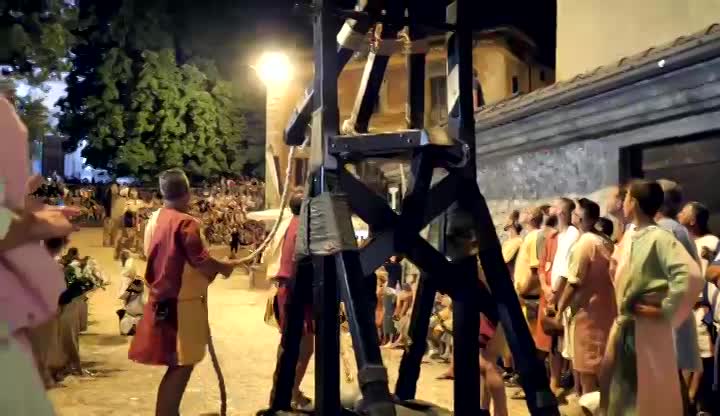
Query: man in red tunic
[174, 330]
[286, 272]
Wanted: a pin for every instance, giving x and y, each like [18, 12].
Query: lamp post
[276, 71]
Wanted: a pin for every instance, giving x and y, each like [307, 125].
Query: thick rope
[220, 377]
[283, 204]
[250, 257]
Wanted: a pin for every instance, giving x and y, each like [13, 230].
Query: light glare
[274, 67]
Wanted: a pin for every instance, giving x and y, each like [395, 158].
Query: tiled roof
[654, 55]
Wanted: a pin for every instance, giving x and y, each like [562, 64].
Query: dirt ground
[246, 347]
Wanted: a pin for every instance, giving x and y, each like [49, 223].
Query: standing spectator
[614, 210]
[567, 236]
[405, 299]
[695, 217]
[511, 246]
[234, 242]
[527, 283]
[389, 298]
[656, 284]
[545, 260]
[686, 336]
[589, 294]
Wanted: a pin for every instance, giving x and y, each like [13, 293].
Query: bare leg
[694, 386]
[171, 390]
[307, 348]
[556, 365]
[576, 382]
[450, 373]
[588, 382]
[494, 386]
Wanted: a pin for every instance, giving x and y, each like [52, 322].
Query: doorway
[693, 162]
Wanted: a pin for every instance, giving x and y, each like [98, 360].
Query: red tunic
[287, 252]
[177, 290]
[288, 268]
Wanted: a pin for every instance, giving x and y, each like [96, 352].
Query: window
[515, 85]
[301, 165]
[542, 75]
[278, 176]
[438, 93]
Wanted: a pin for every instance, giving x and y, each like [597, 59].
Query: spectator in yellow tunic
[511, 246]
[527, 283]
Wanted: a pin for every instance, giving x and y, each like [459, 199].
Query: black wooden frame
[347, 273]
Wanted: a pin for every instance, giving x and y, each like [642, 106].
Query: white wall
[592, 33]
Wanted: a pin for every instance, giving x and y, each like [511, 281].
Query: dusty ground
[245, 345]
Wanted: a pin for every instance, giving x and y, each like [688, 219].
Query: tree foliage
[34, 114]
[36, 36]
[142, 111]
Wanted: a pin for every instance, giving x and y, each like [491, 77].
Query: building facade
[504, 59]
[654, 113]
[594, 33]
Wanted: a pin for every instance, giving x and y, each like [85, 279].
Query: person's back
[174, 330]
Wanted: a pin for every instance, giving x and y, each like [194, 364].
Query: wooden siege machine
[333, 268]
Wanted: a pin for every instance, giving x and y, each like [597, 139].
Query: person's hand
[547, 293]
[68, 212]
[648, 311]
[226, 269]
[48, 223]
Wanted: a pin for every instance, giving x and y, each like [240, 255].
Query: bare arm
[566, 298]
[526, 287]
[27, 227]
[198, 255]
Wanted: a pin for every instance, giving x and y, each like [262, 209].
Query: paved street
[245, 345]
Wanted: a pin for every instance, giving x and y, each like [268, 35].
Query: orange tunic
[594, 306]
[174, 329]
[543, 342]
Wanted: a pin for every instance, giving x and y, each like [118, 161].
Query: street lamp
[273, 68]
[275, 71]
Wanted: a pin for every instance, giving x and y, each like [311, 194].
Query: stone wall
[584, 169]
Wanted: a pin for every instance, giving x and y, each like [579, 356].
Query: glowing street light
[274, 67]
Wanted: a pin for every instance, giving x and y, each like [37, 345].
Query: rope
[250, 257]
[283, 204]
[220, 377]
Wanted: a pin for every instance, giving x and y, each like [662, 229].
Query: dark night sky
[233, 30]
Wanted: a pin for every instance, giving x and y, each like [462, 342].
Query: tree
[36, 37]
[142, 111]
[34, 114]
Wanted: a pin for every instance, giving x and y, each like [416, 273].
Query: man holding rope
[283, 277]
[174, 330]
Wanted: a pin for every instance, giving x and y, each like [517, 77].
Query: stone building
[506, 65]
[644, 101]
